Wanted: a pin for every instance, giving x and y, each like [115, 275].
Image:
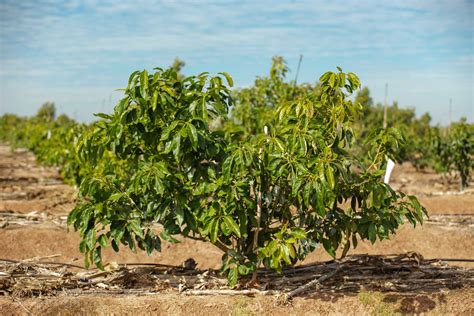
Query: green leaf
[342, 79]
[286, 253]
[214, 230]
[225, 229]
[233, 277]
[243, 269]
[325, 77]
[166, 236]
[232, 225]
[82, 246]
[354, 241]
[149, 242]
[192, 132]
[154, 100]
[204, 114]
[166, 132]
[157, 243]
[272, 247]
[330, 176]
[332, 80]
[117, 233]
[227, 168]
[116, 196]
[230, 82]
[144, 84]
[190, 220]
[298, 233]
[372, 233]
[115, 246]
[103, 115]
[72, 216]
[97, 257]
[347, 247]
[90, 239]
[176, 145]
[243, 222]
[179, 212]
[103, 241]
[329, 248]
[135, 227]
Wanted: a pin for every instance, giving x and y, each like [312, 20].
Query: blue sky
[76, 53]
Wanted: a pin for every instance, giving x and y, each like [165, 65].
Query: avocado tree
[256, 105]
[265, 197]
[52, 139]
[462, 140]
[453, 150]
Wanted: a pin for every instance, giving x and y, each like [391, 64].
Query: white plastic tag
[390, 166]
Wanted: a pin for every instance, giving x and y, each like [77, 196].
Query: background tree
[178, 66]
[47, 112]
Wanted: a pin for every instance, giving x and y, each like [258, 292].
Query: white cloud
[59, 43]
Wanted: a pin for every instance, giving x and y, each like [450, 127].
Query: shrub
[267, 197]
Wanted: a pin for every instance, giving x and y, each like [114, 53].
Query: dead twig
[315, 283]
[35, 259]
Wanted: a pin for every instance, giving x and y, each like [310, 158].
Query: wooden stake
[298, 69]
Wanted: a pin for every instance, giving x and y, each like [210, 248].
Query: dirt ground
[364, 303]
[26, 187]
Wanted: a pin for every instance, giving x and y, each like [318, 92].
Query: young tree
[267, 195]
[462, 147]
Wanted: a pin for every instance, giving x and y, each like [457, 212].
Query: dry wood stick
[34, 259]
[59, 264]
[315, 282]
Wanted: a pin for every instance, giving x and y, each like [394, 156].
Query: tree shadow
[404, 303]
[415, 304]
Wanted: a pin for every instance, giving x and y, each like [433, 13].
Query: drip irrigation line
[43, 262]
[453, 260]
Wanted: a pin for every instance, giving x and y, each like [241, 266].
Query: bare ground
[364, 303]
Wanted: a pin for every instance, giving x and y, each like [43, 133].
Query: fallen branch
[35, 259]
[58, 264]
[315, 283]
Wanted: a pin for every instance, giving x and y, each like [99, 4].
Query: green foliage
[415, 134]
[446, 150]
[453, 150]
[265, 189]
[177, 66]
[266, 173]
[47, 112]
[257, 104]
[463, 150]
[51, 140]
[10, 128]
[157, 163]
